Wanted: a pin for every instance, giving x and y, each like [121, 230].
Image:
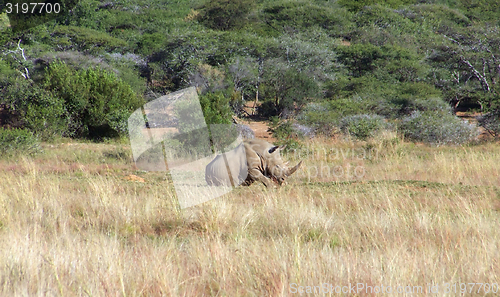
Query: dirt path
[472, 118]
[260, 128]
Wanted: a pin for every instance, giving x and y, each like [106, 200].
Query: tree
[473, 58]
[286, 87]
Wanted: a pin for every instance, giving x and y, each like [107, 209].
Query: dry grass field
[384, 213]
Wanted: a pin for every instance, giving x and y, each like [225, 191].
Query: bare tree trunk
[26, 73]
[261, 66]
[256, 100]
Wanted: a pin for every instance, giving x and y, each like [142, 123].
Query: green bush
[358, 5]
[362, 126]
[361, 59]
[6, 74]
[85, 39]
[96, 103]
[284, 133]
[304, 14]
[225, 14]
[217, 112]
[437, 128]
[216, 108]
[325, 117]
[18, 141]
[36, 109]
[285, 89]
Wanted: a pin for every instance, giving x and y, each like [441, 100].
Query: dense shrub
[401, 105]
[216, 114]
[304, 14]
[360, 58]
[96, 103]
[225, 14]
[285, 89]
[217, 111]
[18, 141]
[284, 132]
[216, 108]
[437, 128]
[36, 109]
[400, 63]
[362, 126]
[357, 5]
[6, 74]
[84, 39]
[324, 117]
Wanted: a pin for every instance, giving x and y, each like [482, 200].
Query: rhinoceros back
[229, 169]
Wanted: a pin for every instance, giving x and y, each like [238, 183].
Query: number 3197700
[33, 8]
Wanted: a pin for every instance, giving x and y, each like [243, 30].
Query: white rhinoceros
[253, 160]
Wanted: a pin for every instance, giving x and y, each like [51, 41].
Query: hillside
[336, 66]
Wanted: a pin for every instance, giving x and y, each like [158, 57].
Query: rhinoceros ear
[273, 149]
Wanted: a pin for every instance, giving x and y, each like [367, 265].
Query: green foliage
[437, 128]
[361, 59]
[481, 9]
[125, 67]
[225, 14]
[287, 88]
[77, 103]
[29, 18]
[441, 17]
[284, 133]
[192, 135]
[362, 126]
[97, 103]
[357, 5]
[390, 58]
[345, 86]
[304, 14]
[7, 74]
[85, 39]
[5, 30]
[216, 108]
[409, 97]
[151, 42]
[18, 141]
[36, 109]
[281, 129]
[325, 117]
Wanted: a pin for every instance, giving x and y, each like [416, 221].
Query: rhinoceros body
[253, 160]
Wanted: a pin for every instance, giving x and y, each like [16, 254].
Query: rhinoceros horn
[292, 170]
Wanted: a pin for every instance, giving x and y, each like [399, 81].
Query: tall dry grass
[71, 225]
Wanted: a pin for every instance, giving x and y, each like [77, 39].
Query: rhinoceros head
[277, 170]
